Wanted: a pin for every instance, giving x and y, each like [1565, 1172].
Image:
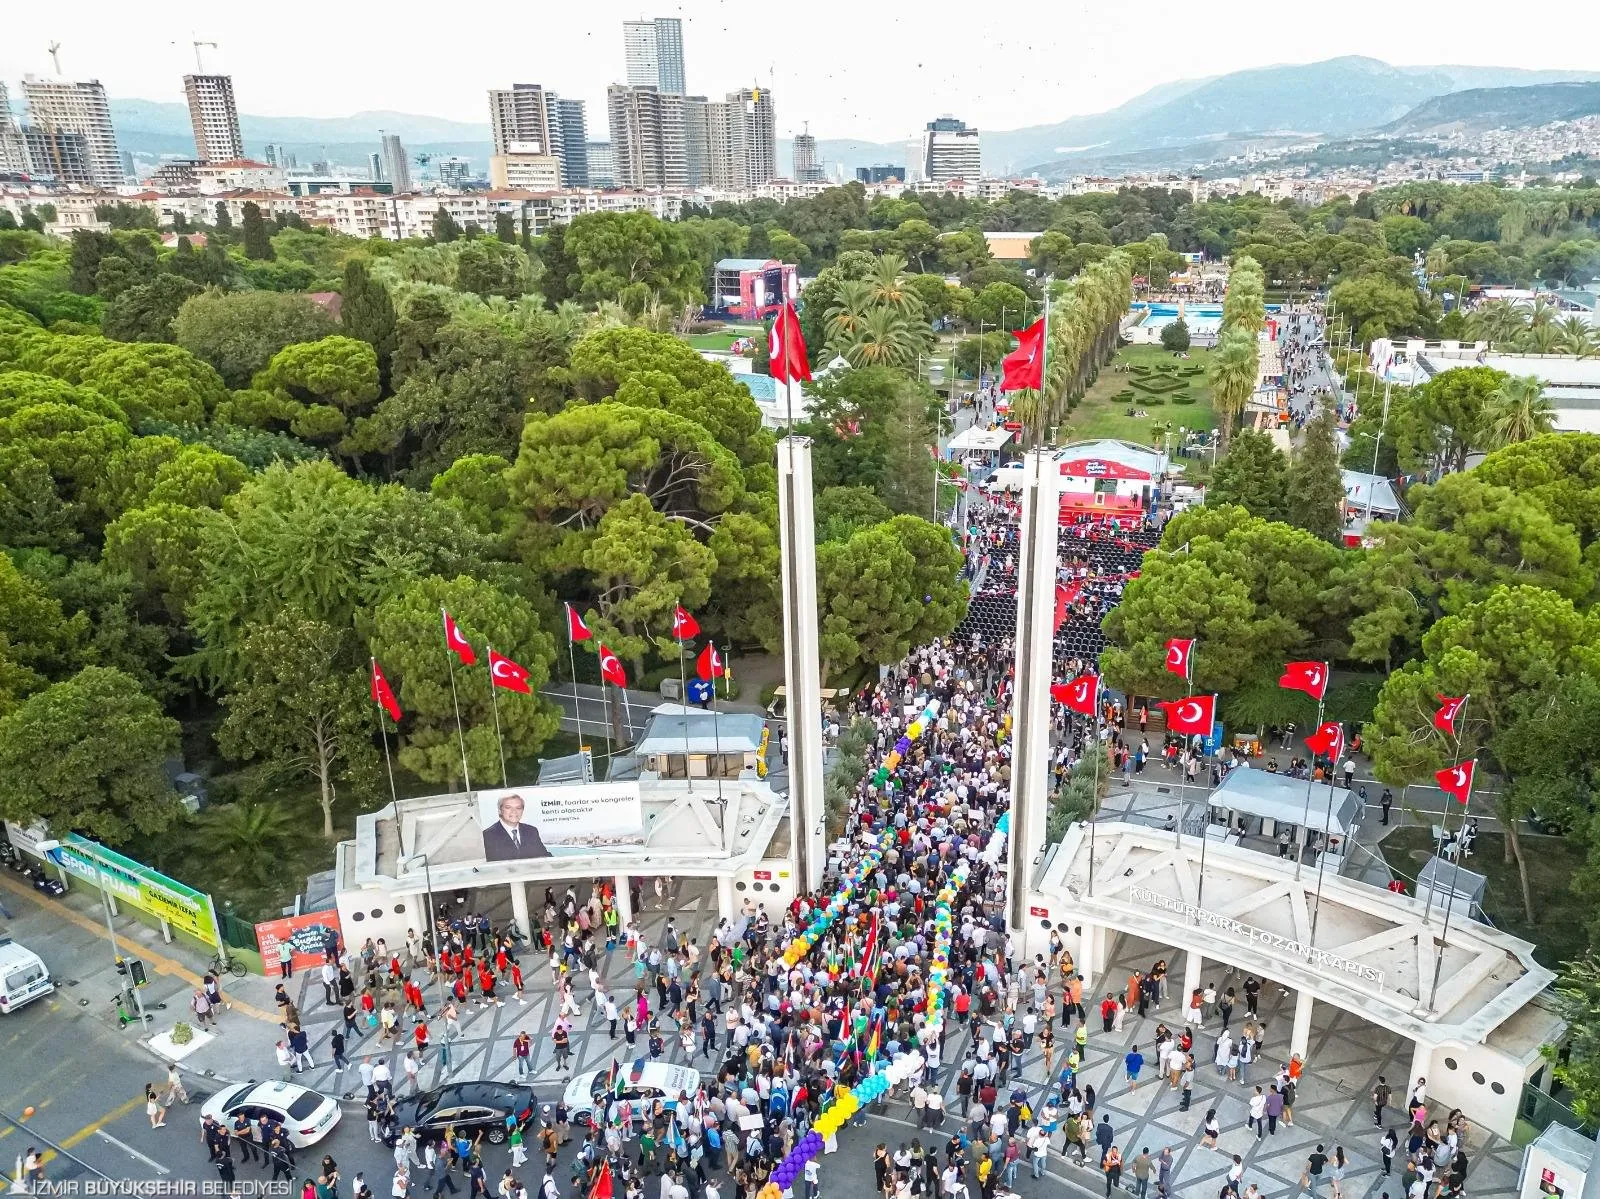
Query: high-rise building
[454, 172]
[741, 140]
[396, 170]
[602, 167]
[13, 150]
[574, 143]
[950, 151]
[647, 140]
[653, 50]
[59, 106]
[882, 173]
[60, 155]
[214, 116]
[696, 141]
[806, 167]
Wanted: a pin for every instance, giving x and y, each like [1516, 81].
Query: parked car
[469, 1107]
[642, 1084]
[306, 1115]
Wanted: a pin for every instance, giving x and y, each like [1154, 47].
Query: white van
[1004, 478]
[23, 976]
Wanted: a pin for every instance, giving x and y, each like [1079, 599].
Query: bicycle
[223, 964]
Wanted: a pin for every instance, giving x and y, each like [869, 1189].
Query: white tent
[1282, 799]
[986, 440]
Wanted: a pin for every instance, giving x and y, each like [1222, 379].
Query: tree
[886, 338]
[445, 229]
[1315, 484]
[841, 511]
[1254, 475]
[155, 381]
[1233, 369]
[975, 353]
[1376, 305]
[87, 755]
[368, 312]
[1175, 336]
[224, 219]
[632, 257]
[238, 333]
[505, 228]
[1447, 417]
[255, 235]
[314, 388]
[1578, 1066]
[559, 266]
[1519, 411]
[487, 268]
[300, 704]
[999, 306]
[146, 312]
[405, 638]
[872, 427]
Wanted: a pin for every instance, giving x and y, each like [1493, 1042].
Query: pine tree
[445, 228]
[1316, 486]
[224, 221]
[527, 233]
[505, 228]
[558, 266]
[1252, 474]
[256, 236]
[367, 312]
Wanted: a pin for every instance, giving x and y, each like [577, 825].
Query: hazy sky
[849, 68]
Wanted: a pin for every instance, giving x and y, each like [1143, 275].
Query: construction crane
[423, 158]
[55, 56]
[198, 65]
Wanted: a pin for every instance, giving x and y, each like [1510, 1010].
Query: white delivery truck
[23, 976]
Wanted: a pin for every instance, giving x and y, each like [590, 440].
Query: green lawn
[1099, 414]
[1557, 929]
[723, 338]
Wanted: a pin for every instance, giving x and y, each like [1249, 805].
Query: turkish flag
[611, 669]
[382, 694]
[786, 347]
[458, 643]
[603, 1187]
[1192, 714]
[684, 626]
[709, 664]
[1080, 695]
[576, 629]
[508, 674]
[1449, 708]
[1457, 780]
[1024, 366]
[1327, 741]
[1178, 651]
[1310, 677]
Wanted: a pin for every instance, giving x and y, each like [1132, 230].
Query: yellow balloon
[914, 730]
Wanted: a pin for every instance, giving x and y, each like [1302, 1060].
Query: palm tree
[1498, 322]
[885, 338]
[1542, 339]
[848, 316]
[1233, 370]
[252, 833]
[888, 287]
[1578, 338]
[1519, 411]
[1543, 313]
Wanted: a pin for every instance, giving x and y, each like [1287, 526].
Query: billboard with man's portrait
[542, 822]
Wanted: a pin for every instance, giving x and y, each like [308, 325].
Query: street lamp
[50, 847]
[433, 926]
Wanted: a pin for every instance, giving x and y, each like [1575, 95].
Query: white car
[1004, 478]
[642, 1083]
[306, 1115]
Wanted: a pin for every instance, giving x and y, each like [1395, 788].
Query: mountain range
[1172, 124]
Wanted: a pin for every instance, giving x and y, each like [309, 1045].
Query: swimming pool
[1201, 318]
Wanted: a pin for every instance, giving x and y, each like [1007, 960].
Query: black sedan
[470, 1108]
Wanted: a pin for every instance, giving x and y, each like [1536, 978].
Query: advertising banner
[307, 935]
[185, 909]
[542, 822]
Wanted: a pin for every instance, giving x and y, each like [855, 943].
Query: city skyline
[842, 93]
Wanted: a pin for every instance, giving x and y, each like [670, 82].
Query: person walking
[1143, 1167]
[1104, 1135]
[1258, 1114]
[1111, 1163]
[1133, 1060]
[1312, 1174]
[1210, 1130]
[1380, 1100]
[153, 1108]
[1385, 802]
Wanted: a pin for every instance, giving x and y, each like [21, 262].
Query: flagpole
[1455, 876]
[1444, 819]
[577, 704]
[1205, 823]
[683, 698]
[716, 737]
[1188, 685]
[605, 719]
[455, 701]
[1305, 818]
[1094, 786]
[494, 703]
[394, 796]
[1322, 857]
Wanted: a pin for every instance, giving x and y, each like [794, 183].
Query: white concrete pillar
[1030, 711]
[519, 907]
[624, 902]
[1421, 1063]
[727, 905]
[1300, 1034]
[1192, 963]
[1085, 960]
[801, 660]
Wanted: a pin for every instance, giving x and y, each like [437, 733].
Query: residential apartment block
[214, 116]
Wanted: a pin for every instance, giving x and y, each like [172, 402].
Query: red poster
[1038, 911]
[307, 935]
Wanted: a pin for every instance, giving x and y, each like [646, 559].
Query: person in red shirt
[516, 982]
[420, 1035]
[486, 984]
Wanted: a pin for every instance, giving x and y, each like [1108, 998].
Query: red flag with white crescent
[1310, 677]
[709, 664]
[684, 626]
[457, 642]
[508, 674]
[382, 694]
[1457, 780]
[1449, 708]
[1081, 695]
[611, 668]
[1327, 741]
[576, 629]
[786, 347]
[1192, 714]
[1178, 651]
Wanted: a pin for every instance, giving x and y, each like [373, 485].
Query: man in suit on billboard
[508, 839]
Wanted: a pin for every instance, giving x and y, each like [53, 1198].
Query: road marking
[132, 1152]
[158, 961]
[94, 1126]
